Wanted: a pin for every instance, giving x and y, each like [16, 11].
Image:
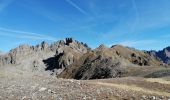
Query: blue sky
[143, 24]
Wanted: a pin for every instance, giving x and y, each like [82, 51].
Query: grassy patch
[158, 80]
[158, 74]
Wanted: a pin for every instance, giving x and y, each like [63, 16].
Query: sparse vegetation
[160, 73]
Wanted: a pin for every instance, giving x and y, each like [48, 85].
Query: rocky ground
[27, 87]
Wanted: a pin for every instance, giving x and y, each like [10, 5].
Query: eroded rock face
[15, 55]
[52, 57]
[68, 54]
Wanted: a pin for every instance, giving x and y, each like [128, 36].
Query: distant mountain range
[2, 53]
[164, 55]
[72, 59]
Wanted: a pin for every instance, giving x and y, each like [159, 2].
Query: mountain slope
[104, 62]
[141, 58]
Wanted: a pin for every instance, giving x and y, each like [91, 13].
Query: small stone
[168, 98]
[71, 81]
[60, 99]
[153, 98]
[33, 87]
[42, 89]
[98, 91]
[54, 92]
[143, 97]
[162, 97]
[84, 98]
[23, 98]
[49, 91]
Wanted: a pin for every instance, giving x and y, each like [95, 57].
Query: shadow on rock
[53, 62]
[50, 62]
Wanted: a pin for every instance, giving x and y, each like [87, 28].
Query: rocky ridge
[72, 59]
[44, 56]
[29, 72]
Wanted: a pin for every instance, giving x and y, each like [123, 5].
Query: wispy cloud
[4, 4]
[133, 43]
[37, 8]
[165, 36]
[137, 15]
[24, 35]
[77, 7]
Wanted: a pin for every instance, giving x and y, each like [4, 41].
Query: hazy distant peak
[2, 53]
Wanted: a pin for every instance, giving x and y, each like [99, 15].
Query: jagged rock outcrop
[44, 56]
[16, 55]
[69, 53]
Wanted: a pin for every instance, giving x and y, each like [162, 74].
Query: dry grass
[158, 80]
[132, 87]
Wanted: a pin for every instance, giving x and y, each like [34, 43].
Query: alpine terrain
[69, 69]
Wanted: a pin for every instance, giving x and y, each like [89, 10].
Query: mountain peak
[69, 40]
[168, 48]
[164, 55]
[102, 46]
